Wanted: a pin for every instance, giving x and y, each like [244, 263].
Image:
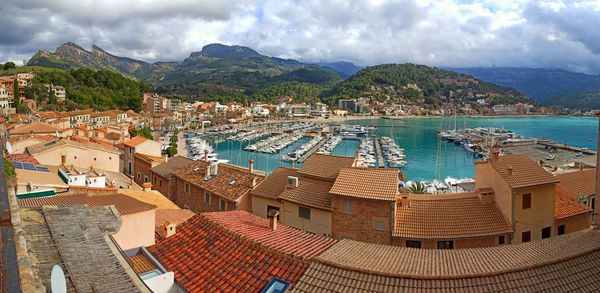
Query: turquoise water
[419, 138]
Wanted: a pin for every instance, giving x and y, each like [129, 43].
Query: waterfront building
[142, 165]
[203, 186]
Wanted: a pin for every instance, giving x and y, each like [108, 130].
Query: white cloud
[558, 34]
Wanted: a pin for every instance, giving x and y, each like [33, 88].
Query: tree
[9, 65]
[23, 109]
[9, 169]
[417, 187]
[143, 132]
[171, 151]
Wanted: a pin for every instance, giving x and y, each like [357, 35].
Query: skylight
[276, 285]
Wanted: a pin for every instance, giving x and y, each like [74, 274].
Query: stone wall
[360, 224]
[142, 168]
[487, 241]
[162, 185]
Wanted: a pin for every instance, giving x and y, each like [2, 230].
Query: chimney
[494, 154]
[147, 186]
[207, 172]
[206, 155]
[251, 166]
[168, 229]
[509, 168]
[254, 181]
[273, 215]
[404, 202]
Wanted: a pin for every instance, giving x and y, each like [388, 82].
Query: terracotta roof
[21, 158]
[140, 264]
[152, 197]
[56, 114]
[310, 192]
[449, 217]
[149, 158]
[133, 142]
[274, 184]
[369, 183]
[165, 169]
[35, 128]
[205, 257]
[285, 239]
[579, 183]
[566, 205]
[175, 216]
[45, 146]
[525, 171]
[231, 182]
[124, 204]
[567, 263]
[325, 166]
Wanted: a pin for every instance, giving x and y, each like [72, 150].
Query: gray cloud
[443, 33]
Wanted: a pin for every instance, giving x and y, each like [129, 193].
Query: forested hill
[86, 88]
[433, 83]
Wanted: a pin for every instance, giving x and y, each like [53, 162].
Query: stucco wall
[319, 223]
[259, 206]
[80, 158]
[539, 216]
[136, 230]
[574, 223]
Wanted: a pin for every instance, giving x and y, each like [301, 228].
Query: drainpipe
[597, 189]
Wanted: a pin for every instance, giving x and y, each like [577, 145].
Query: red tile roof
[525, 171]
[368, 183]
[325, 166]
[205, 257]
[21, 158]
[124, 204]
[448, 217]
[135, 141]
[566, 205]
[579, 183]
[285, 239]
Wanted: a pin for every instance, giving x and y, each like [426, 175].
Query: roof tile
[310, 192]
[525, 172]
[368, 183]
[124, 204]
[325, 166]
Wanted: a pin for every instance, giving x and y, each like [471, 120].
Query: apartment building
[138, 145]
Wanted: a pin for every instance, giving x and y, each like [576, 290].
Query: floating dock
[311, 151]
[379, 152]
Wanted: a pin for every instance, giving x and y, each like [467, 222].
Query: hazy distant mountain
[345, 69]
[539, 84]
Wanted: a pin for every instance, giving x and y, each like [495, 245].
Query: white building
[6, 101]
[260, 112]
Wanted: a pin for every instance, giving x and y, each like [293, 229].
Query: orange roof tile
[175, 216]
[325, 166]
[275, 183]
[135, 141]
[22, 158]
[149, 158]
[448, 217]
[124, 204]
[579, 183]
[35, 128]
[206, 257]
[368, 183]
[566, 205]
[231, 182]
[310, 192]
[525, 172]
[285, 239]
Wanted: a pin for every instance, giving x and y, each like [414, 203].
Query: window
[94, 159]
[413, 243]
[526, 236]
[146, 179]
[222, 205]
[347, 206]
[129, 168]
[561, 230]
[546, 232]
[501, 240]
[186, 187]
[593, 203]
[526, 204]
[445, 244]
[304, 213]
[139, 175]
[271, 208]
[379, 225]
[207, 197]
[160, 183]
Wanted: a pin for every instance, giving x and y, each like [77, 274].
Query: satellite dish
[58, 283]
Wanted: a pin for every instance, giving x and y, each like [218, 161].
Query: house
[81, 155]
[581, 185]
[58, 91]
[319, 110]
[203, 186]
[7, 105]
[17, 144]
[139, 145]
[527, 196]
[162, 175]
[36, 128]
[34, 180]
[142, 164]
[236, 251]
[137, 227]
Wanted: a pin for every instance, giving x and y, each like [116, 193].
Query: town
[152, 209]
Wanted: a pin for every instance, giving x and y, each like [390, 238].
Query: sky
[449, 33]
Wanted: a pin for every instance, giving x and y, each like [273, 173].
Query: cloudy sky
[548, 34]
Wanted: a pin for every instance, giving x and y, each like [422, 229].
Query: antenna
[58, 283]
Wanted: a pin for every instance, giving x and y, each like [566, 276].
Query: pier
[379, 152]
[311, 151]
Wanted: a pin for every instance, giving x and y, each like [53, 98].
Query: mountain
[582, 101]
[344, 69]
[411, 81]
[539, 84]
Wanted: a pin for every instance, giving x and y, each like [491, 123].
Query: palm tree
[417, 187]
